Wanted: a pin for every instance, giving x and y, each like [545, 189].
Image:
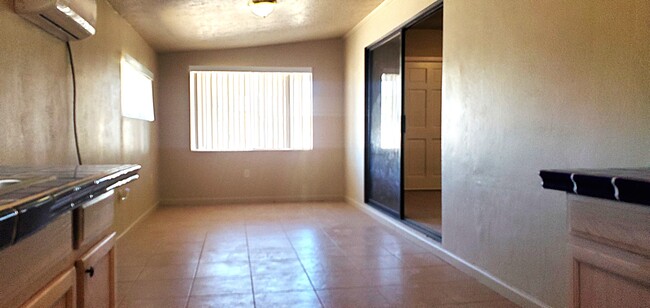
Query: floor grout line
[305, 270]
[346, 226]
[196, 270]
[250, 266]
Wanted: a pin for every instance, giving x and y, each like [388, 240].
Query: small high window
[251, 109]
[137, 90]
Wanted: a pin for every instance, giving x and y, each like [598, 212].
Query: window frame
[249, 69]
[145, 110]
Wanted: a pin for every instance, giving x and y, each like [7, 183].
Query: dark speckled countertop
[626, 185]
[43, 193]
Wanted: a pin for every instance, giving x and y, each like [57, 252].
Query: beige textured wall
[526, 86]
[530, 86]
[194, 177]
[36, 102]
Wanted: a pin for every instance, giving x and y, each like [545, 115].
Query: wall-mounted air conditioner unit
[65, 19]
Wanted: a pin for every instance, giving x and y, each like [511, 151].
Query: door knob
[91, 271]
[123, 194]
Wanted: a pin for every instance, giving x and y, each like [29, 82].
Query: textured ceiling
[175, 25]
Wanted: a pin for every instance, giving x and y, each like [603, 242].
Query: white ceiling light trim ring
[262, 8]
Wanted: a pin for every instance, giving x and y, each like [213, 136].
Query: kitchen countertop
[626, 185]
[31, 197]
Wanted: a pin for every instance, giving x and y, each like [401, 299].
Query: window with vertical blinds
[235, 110]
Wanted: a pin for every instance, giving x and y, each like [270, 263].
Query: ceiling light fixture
[262, 8]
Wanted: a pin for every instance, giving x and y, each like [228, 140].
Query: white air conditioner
[65, 19]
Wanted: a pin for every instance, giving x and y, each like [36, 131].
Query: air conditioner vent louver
[65, 19]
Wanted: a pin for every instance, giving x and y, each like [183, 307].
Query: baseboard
[514, 294]
[138, 220]
[243, 200]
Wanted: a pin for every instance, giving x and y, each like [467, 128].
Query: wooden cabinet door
[96, 275]
[59, 293]
[610, 248]
[604, 276]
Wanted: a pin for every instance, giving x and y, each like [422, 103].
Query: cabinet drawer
[619, 224]
[93, 219]
[31, 264]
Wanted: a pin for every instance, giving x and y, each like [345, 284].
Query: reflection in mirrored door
[384, 125]
[423, 125]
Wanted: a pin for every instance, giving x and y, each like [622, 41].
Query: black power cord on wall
[74, 103]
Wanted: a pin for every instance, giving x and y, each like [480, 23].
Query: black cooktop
[626, 185]
[31, 197]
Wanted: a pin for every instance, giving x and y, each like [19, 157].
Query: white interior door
[422, 107]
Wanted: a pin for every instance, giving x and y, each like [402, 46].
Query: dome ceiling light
[262, 8]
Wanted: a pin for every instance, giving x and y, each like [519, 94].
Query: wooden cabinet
[60, 293]
[57, 235]
[610, 250]
[96, 275]
[44, 270]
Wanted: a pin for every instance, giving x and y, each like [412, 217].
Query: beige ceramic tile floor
[284, 255]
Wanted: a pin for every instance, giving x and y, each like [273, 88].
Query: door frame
[400, 30]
